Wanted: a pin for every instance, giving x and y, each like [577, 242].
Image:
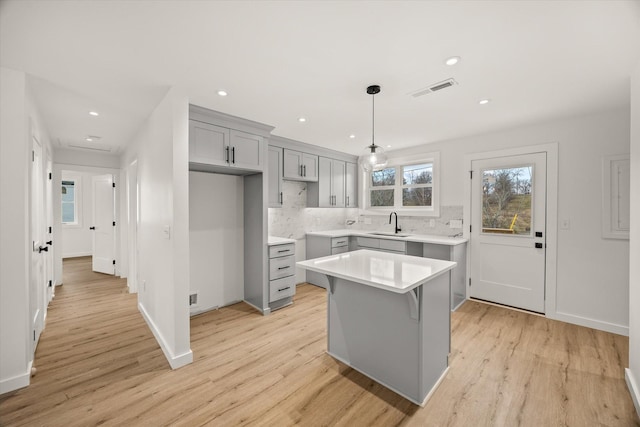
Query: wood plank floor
[99, 364]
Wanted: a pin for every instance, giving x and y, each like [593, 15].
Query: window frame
[398, 163]
[77, 208]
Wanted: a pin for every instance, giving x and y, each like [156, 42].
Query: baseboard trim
[590, 323]
[264, 312]
[17, 382]
[634, 390]
[76, 255]
[175, 361]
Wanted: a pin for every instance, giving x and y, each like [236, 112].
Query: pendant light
[373, 156]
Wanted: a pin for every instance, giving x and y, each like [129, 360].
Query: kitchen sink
[379, 233]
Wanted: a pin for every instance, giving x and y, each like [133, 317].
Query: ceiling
[278, 61]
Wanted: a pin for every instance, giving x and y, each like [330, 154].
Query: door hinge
[470, 174]
[49, 230]
[33, 159]
[50, 176]
[113, 184]
[50, 283]
[34, 334]
[114, 262]
[114, 223]
[469, 228]
[469, 281]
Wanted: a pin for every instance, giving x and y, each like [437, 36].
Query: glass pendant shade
[373, 158]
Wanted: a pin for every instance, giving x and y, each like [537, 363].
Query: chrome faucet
[397, 228]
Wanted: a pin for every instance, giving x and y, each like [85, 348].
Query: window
[407, 185]
[69, 210]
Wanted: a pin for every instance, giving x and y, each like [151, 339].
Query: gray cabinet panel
[351, 186]
[208, 143]
[299, 166]
[246, 150]
[275, 177]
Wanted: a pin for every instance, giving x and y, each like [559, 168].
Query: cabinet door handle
[300, 170]
[304, 168]
[281, 198]
[347, 200]
[233, 155]
[227, 150]
[283, 289]
[283, 268]
[339, 243]
[283, 251]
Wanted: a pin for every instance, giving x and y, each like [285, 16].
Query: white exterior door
[508, 230]
[103, 224]
[49, 230]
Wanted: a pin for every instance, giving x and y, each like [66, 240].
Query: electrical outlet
[455, 223]
[193, 299]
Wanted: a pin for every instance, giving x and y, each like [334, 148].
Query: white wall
[593, 273]
[18, 112]
[633, 373]
[216, 239]
[163, 233]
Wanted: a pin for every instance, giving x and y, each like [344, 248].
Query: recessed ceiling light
[388, 146]
[222, 92]
[352, 136]
[302, 119]
[453, 60]
[88, 139]
[93, 113]
[484, 101]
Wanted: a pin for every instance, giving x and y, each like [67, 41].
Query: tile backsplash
[294, 219]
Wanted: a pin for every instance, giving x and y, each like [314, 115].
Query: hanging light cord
[373, 123]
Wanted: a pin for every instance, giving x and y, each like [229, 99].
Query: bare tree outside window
[506, 200]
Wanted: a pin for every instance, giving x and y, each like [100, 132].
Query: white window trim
[77, 183]
[433, 211]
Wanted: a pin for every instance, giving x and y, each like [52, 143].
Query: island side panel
[435, 333]
[372, 331]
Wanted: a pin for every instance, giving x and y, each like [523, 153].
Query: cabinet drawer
[367, 242]
[282, 250]
[393, 245]
[282, 288]
[337, 242]
[339, 250]
[282, 267]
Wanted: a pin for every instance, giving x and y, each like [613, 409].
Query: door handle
[43, 249]
[538, 245]
[92, 228]
[50, 242]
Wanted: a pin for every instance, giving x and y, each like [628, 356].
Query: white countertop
[279, 241]
[392, 272]
[420, 238]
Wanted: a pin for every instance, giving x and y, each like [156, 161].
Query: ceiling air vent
[434, 87]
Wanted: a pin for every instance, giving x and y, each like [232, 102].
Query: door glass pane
[68, 202]
[383, 177]
[506, 200]
[418, 196]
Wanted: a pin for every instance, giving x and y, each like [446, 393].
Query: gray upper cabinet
[218, 146]
[275, 177]
[351, 181]
[208, 143]
[329, 192]
[299, 166]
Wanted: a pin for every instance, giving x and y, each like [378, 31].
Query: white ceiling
[535, 60]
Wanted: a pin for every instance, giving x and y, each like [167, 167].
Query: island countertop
[407, 237]
[392, 272]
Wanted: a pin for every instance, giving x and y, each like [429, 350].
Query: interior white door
[103, 224]
[49, 279]
[37, 286]
[508, 230]
[132, 213]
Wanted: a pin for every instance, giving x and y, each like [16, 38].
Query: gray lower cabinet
[319, 246]
[282, 279]
[457, 253]
[276, 197]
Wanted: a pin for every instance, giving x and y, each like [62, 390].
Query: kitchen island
[388, 317]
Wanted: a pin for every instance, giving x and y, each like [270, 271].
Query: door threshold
[510, 307]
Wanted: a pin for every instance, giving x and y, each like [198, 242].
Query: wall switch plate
[565, 224]
[455, 223]
[166, 231]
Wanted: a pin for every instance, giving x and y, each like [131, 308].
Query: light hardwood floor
[99, 364]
